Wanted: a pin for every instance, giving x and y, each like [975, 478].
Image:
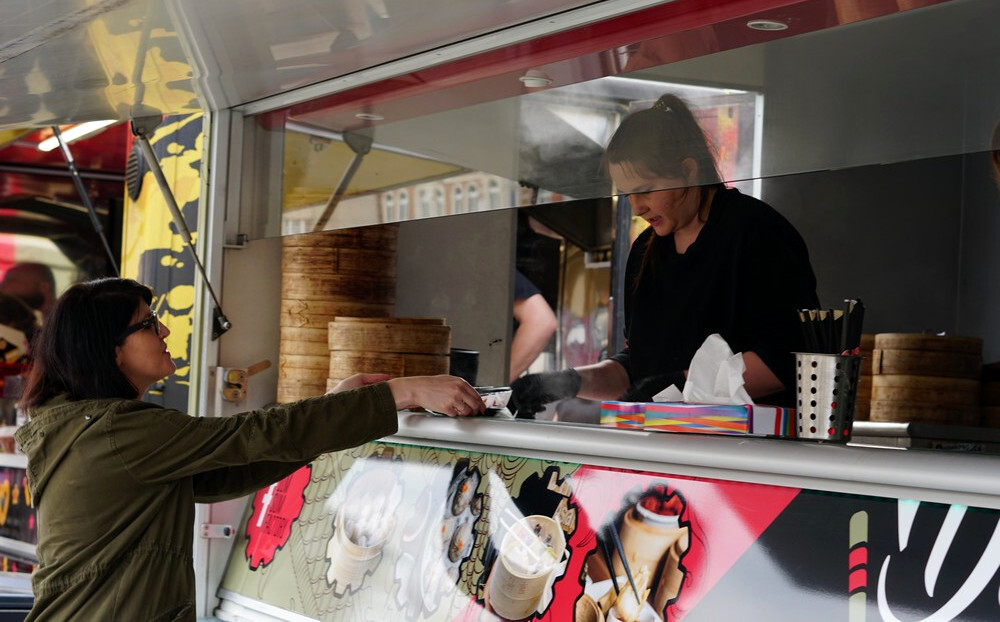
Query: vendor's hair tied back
[662, 106]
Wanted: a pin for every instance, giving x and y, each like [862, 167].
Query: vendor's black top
[745, 277]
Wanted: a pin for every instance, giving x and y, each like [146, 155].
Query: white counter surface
[926, 475]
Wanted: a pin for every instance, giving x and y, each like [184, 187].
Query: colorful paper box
[746, 419]
[631, 415]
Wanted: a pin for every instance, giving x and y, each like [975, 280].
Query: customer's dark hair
[74, 352]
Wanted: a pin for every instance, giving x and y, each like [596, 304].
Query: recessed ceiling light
[767, 24]
[534, 79]
[369, 116]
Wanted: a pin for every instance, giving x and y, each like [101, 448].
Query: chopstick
[829, 331]
[621, 553]
[610, 561]
[488, 559]
[845, 325]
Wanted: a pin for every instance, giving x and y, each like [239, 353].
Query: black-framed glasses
[150, 322]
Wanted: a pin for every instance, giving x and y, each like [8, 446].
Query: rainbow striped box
[631, 415]
[747, 419]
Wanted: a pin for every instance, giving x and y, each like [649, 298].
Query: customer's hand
[358, 380]
[530, 393]
[448, 395]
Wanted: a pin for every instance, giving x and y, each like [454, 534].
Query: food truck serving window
[790, 123]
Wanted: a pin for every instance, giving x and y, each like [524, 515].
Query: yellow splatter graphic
[154, 252]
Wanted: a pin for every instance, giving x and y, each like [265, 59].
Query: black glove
[646, 388]
[530, 393]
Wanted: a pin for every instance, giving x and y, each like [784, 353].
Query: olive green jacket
[115, 482]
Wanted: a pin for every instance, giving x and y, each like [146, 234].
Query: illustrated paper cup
[531, 553]
[349, 561]
[587, 610]
[645, 538]
[362, 525]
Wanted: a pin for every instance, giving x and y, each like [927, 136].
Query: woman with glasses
[114, 479]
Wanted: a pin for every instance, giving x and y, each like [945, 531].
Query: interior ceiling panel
[64, 61]
[259, 48]
[641, 40]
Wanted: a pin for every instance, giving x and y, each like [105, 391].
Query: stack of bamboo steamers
[338, 293]
[926, 378]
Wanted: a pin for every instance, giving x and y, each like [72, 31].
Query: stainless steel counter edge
[935, 476]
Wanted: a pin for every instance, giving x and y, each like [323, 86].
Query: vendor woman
[712, 260]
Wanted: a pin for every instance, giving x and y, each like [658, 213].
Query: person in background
[712, 260]
[114, 479]
[536, 323]
[17, 326]
[33, 283]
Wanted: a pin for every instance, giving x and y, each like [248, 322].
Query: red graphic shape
[725, 518]
[858, 557]
[857, 580]
[274, 510]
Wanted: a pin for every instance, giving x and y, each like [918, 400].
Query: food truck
[313, 188]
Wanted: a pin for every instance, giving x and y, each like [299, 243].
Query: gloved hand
[530, 393]
[646, 388]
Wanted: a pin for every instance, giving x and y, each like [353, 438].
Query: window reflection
[862, 178]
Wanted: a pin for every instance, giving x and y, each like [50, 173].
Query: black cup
[465, 364]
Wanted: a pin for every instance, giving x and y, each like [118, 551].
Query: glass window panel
[869, 138]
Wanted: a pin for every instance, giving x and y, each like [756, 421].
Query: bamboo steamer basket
[926, 378]
[293, 389]
[925, 389]
[919, 341]
[394, 346]
[393, 335]
[343, 363]
[925, 363]
[348, 272]
[863, 403]
[866, 347]
[380, 237]
[927, 355]
[307, 362]
[303, 341]
[375, 290]
[319, 313]
[339, 273]
[912, 412]
[338, 260]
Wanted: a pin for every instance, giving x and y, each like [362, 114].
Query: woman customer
[114, 480]
[711, 261]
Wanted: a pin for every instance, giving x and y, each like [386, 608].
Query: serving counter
[483, 519]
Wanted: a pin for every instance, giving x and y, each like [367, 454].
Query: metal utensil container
[826, 388]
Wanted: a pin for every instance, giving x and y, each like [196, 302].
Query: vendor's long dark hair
[657, 140]
[74, 352]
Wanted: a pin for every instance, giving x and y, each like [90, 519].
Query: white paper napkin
[715, 376]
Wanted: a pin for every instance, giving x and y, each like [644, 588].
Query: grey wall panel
[461, 268]
[887, 234]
